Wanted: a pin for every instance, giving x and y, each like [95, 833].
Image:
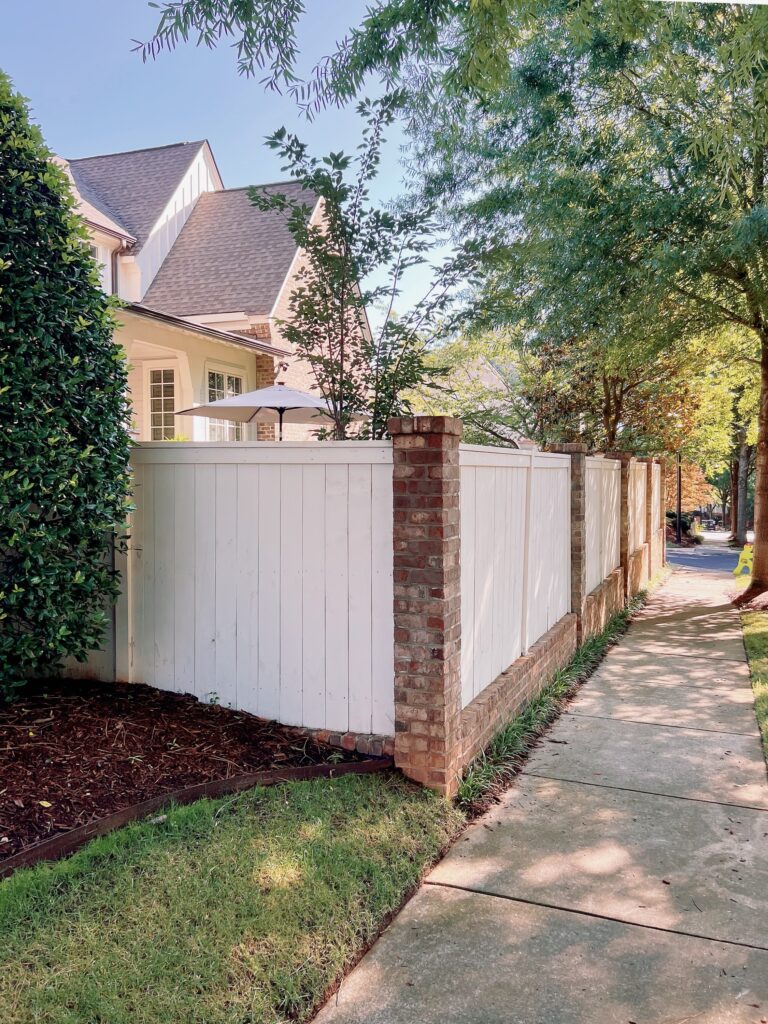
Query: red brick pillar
[427, 599]
[578, 454]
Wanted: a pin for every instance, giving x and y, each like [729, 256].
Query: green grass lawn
[242, 909]
[755, 626]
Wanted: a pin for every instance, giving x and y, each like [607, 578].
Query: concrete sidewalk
[624, 877]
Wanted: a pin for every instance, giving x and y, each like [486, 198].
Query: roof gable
[230, 256]
[134, 188]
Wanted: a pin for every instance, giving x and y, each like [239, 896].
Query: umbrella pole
[280, 413]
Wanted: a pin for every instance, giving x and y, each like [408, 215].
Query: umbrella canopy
[268, 405]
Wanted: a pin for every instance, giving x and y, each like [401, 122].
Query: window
[162, 398]
[224, 385]
[102, 256]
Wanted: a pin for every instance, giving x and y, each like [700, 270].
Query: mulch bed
[72, 752]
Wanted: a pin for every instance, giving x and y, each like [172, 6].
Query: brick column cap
[621, 456]
[569, 448]
[425, 425]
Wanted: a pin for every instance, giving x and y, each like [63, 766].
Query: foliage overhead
[63, 410]
[354, 258]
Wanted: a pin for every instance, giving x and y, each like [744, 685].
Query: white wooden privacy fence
[638, 480]
[602, 487]
[515, 556]
[260, 576]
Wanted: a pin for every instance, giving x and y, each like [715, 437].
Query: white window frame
[103, 257]
[229, 370]
[149, 366]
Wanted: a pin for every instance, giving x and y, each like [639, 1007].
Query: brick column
[427, 599]
[578, 454]
[626, 460]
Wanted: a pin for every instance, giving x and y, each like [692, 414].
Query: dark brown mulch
[71, 752]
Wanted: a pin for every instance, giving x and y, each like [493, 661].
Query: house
[204, 275]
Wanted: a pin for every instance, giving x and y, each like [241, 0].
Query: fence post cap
[425, 425]
[569, 448]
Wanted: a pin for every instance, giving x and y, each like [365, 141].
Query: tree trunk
[760, 568]
[740, 531]
[734, 497]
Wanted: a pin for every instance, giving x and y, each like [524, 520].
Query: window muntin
[162, 399]
[224, 385]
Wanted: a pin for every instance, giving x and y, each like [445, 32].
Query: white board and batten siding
[638, 478]
[515, 556]
[261, 578]
[603, 518]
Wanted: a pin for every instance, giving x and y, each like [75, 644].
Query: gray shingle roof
[134, 188]
[229, 257]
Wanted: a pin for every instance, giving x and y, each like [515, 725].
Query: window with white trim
[224, 385]
[162, 399]
[103, 257]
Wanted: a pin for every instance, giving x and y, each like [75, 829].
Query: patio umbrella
[277, 404]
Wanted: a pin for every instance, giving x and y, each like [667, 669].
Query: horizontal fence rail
[603, 519]
[515, 556]
[261, 578]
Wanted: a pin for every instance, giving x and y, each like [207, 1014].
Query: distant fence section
[405, 596]
[603, 519]
[515, 556]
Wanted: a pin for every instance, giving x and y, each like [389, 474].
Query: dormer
[136, 204]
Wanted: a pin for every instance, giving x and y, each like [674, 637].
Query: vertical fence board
[268, 699]
[247, 624]
[468, 541]
[291, 603]
[359, 598]
[336, 594]
[382, 649]
[225, 616]
[184, 579]
[312, 640]
[205, 581]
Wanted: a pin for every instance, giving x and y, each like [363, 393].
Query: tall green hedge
[63, 412]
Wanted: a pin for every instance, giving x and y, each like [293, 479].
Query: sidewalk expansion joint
[591, 914]
[648, 792]
[659, 725]
[705, 658]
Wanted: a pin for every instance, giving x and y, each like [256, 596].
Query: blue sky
[91, 94]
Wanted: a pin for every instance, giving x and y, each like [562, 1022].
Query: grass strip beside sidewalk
[755, 627]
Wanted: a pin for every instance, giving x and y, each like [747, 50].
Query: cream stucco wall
[153, 345]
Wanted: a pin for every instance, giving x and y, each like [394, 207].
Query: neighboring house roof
[229, 257]
[139, 309]
[134, 188]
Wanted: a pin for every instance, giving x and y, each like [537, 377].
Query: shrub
[63, 410]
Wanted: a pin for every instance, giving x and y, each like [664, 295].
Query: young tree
[354, 259]
[63, 411]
